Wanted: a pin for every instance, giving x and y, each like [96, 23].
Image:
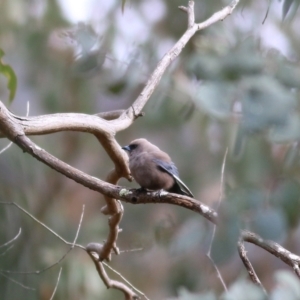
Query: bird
[153, 169]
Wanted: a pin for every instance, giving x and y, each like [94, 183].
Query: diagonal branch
[277, 250]
[15, 133]
[173, 53]
[104, 126]
[13, 239]
[128, 292]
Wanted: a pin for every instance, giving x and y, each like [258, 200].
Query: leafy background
[235, 85]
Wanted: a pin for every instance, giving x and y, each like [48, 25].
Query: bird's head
[138, 146]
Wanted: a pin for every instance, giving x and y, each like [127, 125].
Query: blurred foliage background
[235, 85]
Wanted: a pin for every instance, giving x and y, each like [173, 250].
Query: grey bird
[153, 169]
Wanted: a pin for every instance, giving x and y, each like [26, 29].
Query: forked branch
[104, 126]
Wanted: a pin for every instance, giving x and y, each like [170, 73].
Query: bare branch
[17, 282]
[58, 278]
[36, 220]
[277, 250]
[6, 147]
[41, 223]
[218, 16]
[172, 54]
[215, 227]
[9, 145]
[123, 278]
[53, 232]
[7, 250]
[110, 243]
[131, 250]
[104, 126]
[129, 294]
[14, 132]
[79, 226]
[102, 129]
[190, 11]
[243, 255]
[9, 242]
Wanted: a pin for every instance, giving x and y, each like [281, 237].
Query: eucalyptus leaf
[189, 237]
[270, 224]
[186, 295]
[286, 197]
[287, 286]
[287, 131]
[216, 98]
[286, 8]
[265, 102]
[10, 74]
[206, 66]
[288, 74]
[245, 290]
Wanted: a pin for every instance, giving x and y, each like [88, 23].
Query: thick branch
[286, 256]
[46, 124]
[129, 293]
[171, 55]
[104, 126]
[14, 132]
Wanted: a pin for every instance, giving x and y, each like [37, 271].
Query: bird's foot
[162, 193]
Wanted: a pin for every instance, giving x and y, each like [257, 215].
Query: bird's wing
[171, 169]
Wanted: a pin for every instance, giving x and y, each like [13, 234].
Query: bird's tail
[180, 188]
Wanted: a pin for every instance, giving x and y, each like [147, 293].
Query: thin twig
[131, 250]
[27, 108]
[277, 250]
[36, 272]
[17, 128]
[79, 226]
[214, 226]
[54, 291]
[128, 292]
[267, 13]
[41, 223]
[123, 278]
[17, 282]
[222, 179]
[243, 255]
[9, 242]
[6, 147]
[7, 250]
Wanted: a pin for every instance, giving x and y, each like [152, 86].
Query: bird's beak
[126, 148]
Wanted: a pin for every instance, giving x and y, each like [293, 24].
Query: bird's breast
[147, 174]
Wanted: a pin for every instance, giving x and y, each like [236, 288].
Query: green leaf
[286, 197]
[123, 6]
[266, 103]
[287, 286]
[288, 131]
[215, 98]
[9, 73]
[186, 295]
[286, 7]
[245, 290]
[270, 224]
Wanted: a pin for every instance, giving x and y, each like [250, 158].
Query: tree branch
[128, 292]
[277, 250]
[104, 126]
[14, 132]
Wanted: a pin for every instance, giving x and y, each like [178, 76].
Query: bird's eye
[133, 146]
